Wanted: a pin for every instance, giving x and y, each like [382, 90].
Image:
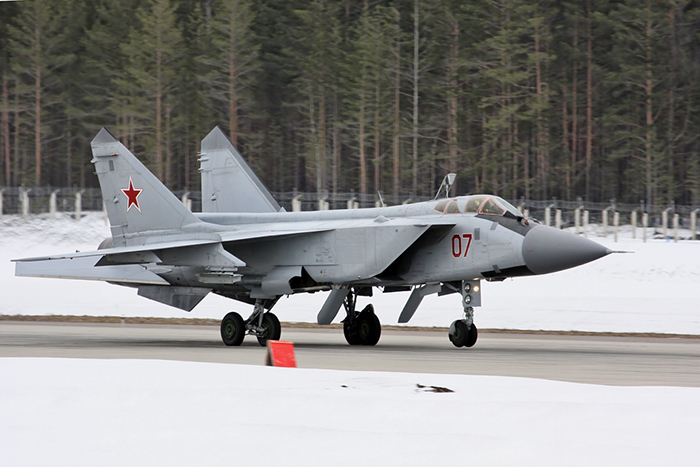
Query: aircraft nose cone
[546, 249]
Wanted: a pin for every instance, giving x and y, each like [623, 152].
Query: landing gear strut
[361, 328]
[263, 325]
[463, 332]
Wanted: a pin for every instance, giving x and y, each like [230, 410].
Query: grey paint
[548, 250]
[247, 255]
[228, 183]
[330, 308]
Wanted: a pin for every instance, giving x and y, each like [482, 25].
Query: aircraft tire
[272, 329]
[369, 329]
[460, 335]
[232, 329]
[472, 337]
[351, 334]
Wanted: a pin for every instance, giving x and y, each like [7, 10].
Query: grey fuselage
[398, 246]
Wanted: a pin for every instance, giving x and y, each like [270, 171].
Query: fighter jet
[245, 247]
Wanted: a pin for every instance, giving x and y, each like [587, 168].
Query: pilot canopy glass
[480, 204]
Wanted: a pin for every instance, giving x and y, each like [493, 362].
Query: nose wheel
[463, 336]
[463, 332]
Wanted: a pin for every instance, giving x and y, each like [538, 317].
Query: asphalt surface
[633, 361]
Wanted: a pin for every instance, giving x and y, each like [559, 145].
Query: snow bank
[69, 412]
[653, 290]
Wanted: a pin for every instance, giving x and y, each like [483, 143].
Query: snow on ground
[656, 289]
[70, 412]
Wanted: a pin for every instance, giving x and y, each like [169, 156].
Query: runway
[630, 361]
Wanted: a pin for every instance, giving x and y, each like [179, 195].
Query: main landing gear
[463, 332]
[263, 325]
[361, 328]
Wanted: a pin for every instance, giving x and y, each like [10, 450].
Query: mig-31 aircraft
[245, 247]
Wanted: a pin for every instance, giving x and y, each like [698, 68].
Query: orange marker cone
[280, 353]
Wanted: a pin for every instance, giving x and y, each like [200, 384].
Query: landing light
[467, 287]
[467, 299]
[476, 288]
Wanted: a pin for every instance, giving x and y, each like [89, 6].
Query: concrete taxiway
[584, 359]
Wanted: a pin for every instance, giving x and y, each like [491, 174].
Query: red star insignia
[132, 195]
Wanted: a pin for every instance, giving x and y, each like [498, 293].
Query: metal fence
[557, 213]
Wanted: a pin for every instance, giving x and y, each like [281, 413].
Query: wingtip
[104, 137]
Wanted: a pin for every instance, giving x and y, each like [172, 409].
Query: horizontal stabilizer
[228, 183]
[84, 268]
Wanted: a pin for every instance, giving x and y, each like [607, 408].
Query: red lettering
[468, 238]
[456, 246]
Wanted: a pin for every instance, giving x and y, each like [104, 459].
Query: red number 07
[457, 245]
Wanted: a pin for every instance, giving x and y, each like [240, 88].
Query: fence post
[52, 203]
[633, 222]
[693, 223]
[187, 201]
[352, 203]
[616, 222]
[675, 227]
[557, 219]
[322, 205]
[526, 213]
[296, 204]
[24, 199]
[548, 216]
[664, 222]
[78, 205]
[1, 192]
[645, 223]
[605, 222]
[577, 220]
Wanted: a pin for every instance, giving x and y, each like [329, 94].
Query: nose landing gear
[463, 332]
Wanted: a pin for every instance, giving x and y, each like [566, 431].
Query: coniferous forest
[533, 99]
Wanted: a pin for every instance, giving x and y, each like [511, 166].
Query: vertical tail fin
[136, 201]
[228, 183]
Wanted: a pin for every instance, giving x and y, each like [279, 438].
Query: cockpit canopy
[480, 204]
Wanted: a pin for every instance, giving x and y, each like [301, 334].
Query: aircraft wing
[84, 268]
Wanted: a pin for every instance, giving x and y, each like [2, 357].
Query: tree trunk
[18, 162]
[336, 143]
[232, 76]
[452, 137]
[416, 42]
[37, 114]
[648, 86]
[6, 130]
[168, 147]
[589, 100]
[397, 120]
[69, 152]
[363, 157]
[377, 133]
[322, 140]
[574, 117]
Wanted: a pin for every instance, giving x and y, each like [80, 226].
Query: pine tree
[230, 61]
[35, 46]
[152, 56]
